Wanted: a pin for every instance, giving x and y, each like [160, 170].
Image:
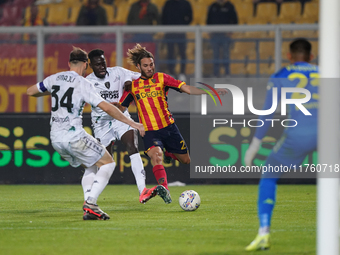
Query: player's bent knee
[186, 161]
[107, 170]
[156, 156]
[156, 160]
[183, 158]
[106, 159]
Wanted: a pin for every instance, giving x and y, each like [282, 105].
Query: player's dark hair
[77, 55]
[136, 54]
[300, 46]
[95, 53]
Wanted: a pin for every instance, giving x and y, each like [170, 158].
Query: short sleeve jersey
[111, 87]
[69, 93]
[150, 96]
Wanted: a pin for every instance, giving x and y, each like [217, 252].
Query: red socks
[160, 174]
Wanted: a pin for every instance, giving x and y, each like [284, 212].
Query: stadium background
[26, 153]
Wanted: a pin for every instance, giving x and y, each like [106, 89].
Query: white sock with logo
[87, 180]
[138, 171]
[100, 181]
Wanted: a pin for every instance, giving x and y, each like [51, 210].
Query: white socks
[263, 230]
[87, 180]
[100, 181]
[138, 171]
[94, 181]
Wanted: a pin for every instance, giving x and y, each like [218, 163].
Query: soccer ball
[189, 200]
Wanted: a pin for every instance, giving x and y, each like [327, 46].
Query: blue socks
[266, 200]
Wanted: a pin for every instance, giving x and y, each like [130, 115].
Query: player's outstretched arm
[119, 106]
[34, 92]
[252, 151]
[114, 112]
[191, 90]
[261, 130]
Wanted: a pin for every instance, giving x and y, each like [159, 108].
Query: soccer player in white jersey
[69, 92]
[109, 83]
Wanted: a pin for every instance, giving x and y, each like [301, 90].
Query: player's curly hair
[136, 54]
[77, 54]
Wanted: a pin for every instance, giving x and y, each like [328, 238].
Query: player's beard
[147, 76]
[100, 76]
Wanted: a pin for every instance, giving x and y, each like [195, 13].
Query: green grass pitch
[47, 220]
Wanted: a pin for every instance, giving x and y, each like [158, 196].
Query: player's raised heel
[93, 212]
[147, 194]
[261, 242]
[164, 194]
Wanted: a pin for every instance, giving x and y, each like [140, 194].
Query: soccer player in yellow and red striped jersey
[150, 95]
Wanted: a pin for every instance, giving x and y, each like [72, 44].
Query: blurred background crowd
[225, 53]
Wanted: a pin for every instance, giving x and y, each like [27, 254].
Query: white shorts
[110, 130]
[85, 151]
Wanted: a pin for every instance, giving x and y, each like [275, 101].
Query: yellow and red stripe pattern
[150, 96]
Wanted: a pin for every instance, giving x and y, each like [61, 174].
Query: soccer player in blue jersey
[296, 142]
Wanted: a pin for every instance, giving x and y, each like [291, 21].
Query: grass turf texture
[47, 220]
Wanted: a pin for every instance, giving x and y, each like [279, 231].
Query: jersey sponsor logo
[105, 94]
[107, 84]
[148, 86]
[149, 94]
[61, 120]
[65, 78]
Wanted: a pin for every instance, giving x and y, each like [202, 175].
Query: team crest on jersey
[153, 80]
[107, 84]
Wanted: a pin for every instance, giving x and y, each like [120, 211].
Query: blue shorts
[169, 138]
[290, 150]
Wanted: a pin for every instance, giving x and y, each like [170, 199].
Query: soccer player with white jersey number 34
[69, 92]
